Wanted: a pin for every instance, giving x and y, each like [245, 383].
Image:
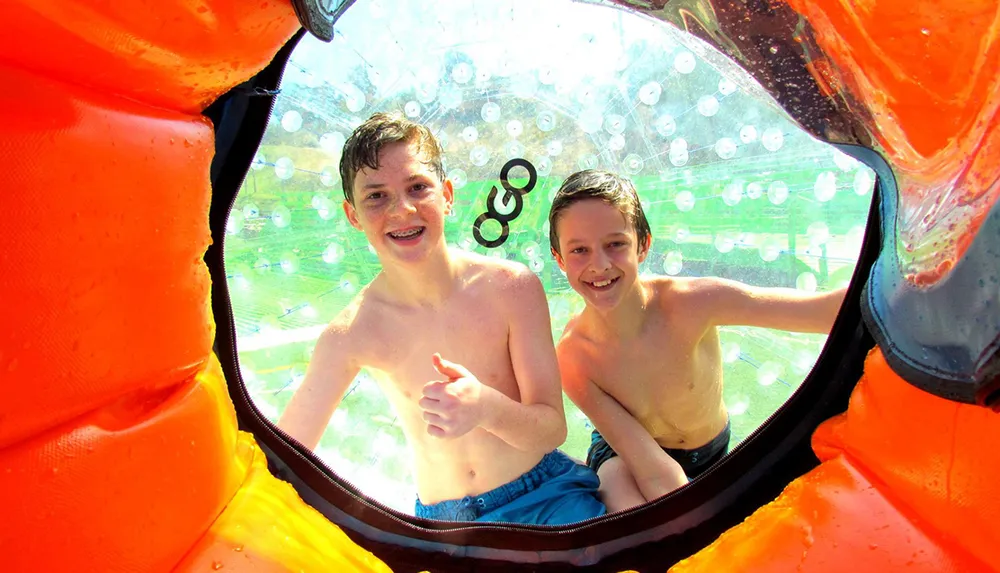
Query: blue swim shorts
[557, 491]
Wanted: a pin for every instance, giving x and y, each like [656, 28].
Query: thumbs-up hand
[453, 406]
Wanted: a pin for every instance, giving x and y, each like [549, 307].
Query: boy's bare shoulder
[674, 291]
[509, 279]
[360, 317]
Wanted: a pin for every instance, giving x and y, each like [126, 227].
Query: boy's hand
[454, 406]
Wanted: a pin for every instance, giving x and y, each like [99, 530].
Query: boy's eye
[617, 244]
[374, 196]
[579, 250]
[420, 187]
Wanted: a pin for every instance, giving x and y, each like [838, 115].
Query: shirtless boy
[643, 359]
[459, 343]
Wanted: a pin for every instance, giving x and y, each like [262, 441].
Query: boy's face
[599, 254]
[400, 206]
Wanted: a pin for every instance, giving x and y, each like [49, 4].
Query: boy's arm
[731, 302]
[654, 471]
[328, 375]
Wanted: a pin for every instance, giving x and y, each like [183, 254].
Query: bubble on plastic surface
[755, 190]
[490, 112]
[426, 92]
[259, 162]
[289, 263]
[291, 121]
[825, 187]
[590, 120]
[679, 143]
[616, 142]
[458, 178]
[531, 250]
[748, 134]
[554, 148]
[536, 265]
[284, 168]
[665, 125]
[325, 208]
[251, 210]
[513, 150]
[333, 253]
[769, 250]
[730, 352]
[614, 124]
[588, 161]
[348, 283]
[863, 182]
[725, 148]
[332, 142]
[806, 281]
[724, 243]
[732, 193]
[479, 156]
[739, 405]
[685, 62]
[843, 161]
[470, 134]
[355, 100]
[768, 373]
[818, 233]
[632, 164]
[543, 166]
[234, 224]
[726, 86]
[673, 263]
[803, 361]
[329, 176]
[411, 109]
[547, 75]
[777, 192]
[708, 105]
[515, 128]
[498, 253]
[678, 156]
[681, 234]
[461, 73]
[451, 97]
[772, 139]
[684, 201]
[262, 265]
[545, 120]
[855, 237]
[650, 92]
[281, 217]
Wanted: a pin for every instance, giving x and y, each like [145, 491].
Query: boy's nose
[601, 262]
[403, 206]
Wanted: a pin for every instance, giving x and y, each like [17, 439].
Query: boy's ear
[352, 215]
[644, 246]
[559, 260]
[449, 195]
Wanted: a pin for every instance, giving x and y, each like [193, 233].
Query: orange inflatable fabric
[118, 444]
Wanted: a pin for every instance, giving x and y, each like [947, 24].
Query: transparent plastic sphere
[234, 224]
[665, 125]
[259, 162]
[326, 208]
[289, 263]
[726, 86]
[616, 142]
[632, 164]
[681, 234]
[458, 178]
[739, 405]
[843, 161]
[490, 112]
[673, 263]
[725, 148]
[426, 92]
[291, 121]
[284, 168]
[772, 139]
[679, 143]
[554, 147]
[461, 73]
[470, 134]
[513, 149]
[281, 217]
[708, 105]
[769, 250]
[777, 192]
[684, 201]
[678, 157]
[685, 62]
[825, 187]
[863, 182]
[588, 161]
[251, 210]
[818, 233]
[348, 283]
[590, 120]
[755, 190]
[543, 166]
[333, 254]
[329, 176]
[803, 361]
[724, 243]
[536, 265]
[332, 142]
[531, 250]
[748, 134]
[545, 120]
[479, 156]
[411, 109]
[730, 352]
[515, 128]
[732, 193]
[650, 92]
[614, 124]
[769, 372]
[806, 281]
[355, 100]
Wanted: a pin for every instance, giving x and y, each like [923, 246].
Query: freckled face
[599, 254]
[401, 205]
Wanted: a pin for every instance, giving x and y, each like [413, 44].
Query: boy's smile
[401, 205]
[599, 252]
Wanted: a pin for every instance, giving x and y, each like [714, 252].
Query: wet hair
[362, 148]
[608, 187]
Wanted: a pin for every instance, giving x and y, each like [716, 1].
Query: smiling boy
[643, 359]
[460, 344]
